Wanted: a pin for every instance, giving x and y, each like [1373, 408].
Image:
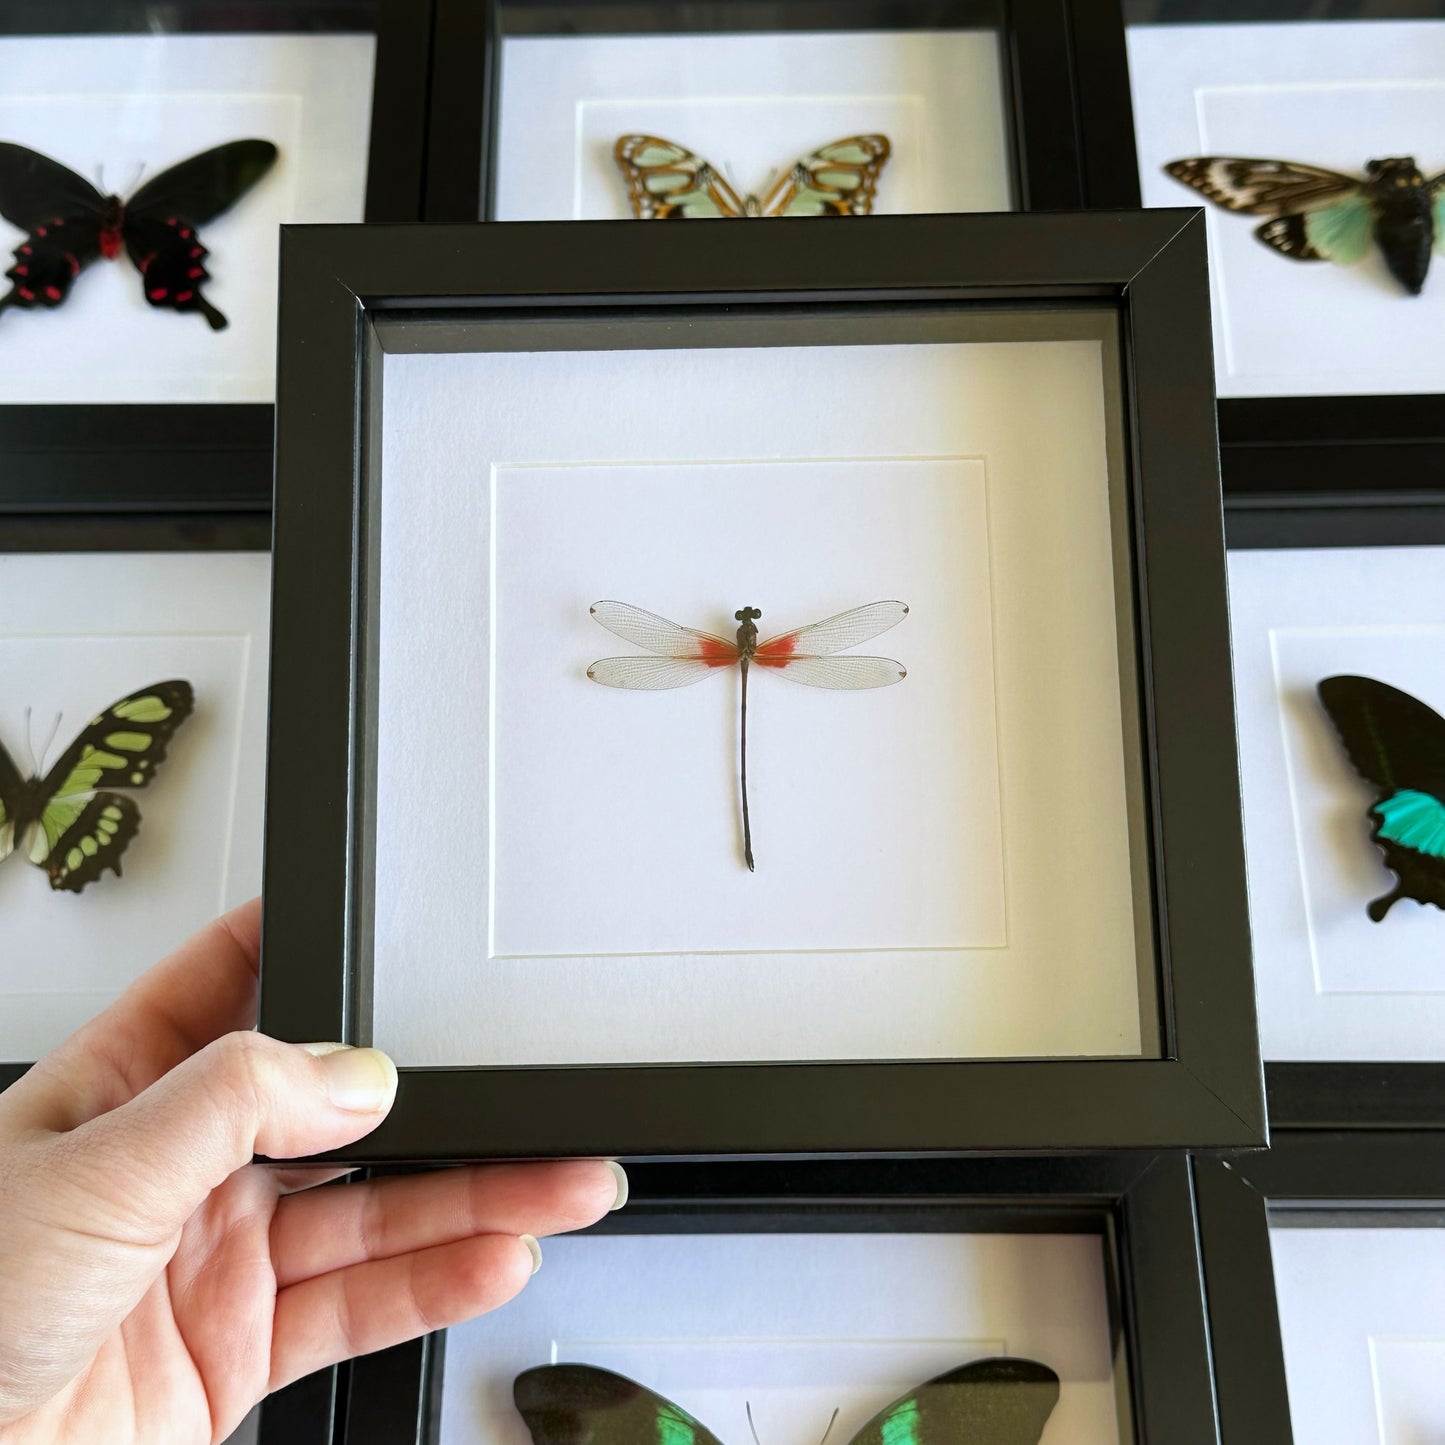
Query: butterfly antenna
[748, 1405]
[833, 1420]
[30, 762]
[49, 743]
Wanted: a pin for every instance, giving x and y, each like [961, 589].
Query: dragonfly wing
[649, 674]
[833, 634]
[842, 673]
[665, 638]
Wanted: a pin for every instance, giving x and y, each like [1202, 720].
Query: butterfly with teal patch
[1397, 744]
[1000, 1401]
[1323, 215]
[68, 822]
[666, 182]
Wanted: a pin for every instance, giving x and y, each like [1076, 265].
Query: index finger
[206, 988]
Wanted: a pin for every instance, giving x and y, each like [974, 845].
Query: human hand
[154, 1283]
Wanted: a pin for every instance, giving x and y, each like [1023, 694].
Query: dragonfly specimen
[682, 656]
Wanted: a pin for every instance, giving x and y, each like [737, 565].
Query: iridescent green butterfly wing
[1397, 743]
[68, 822]
[999, 1401]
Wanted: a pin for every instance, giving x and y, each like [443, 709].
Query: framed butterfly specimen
[1322, 215]
[68, 821]
[1397, 743]
[667, 182]
[682, 656]
[1000, 1401]
[69, 224]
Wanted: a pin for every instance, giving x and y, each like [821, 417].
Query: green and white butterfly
[1322, 215]
[666, 182]
[67, 822]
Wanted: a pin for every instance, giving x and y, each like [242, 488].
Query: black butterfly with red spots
[69, 224]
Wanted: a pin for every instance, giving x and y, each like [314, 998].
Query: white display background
[1332, 984]
[80, 631]
[120, 109]
[1334, 94]
[751, 105]
[795, 1325]
[521, 806]
[875, 814]
[1362, 1318]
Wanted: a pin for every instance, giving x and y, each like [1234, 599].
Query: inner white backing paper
[943, 865]
[117, 110]
[1335, 94]
[1362, 1320]
[1332, 984]
[80, 632]
[795, 1326]
[752, 105]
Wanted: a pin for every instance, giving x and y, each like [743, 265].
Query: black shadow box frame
[1062, 61]
[119, 528]
[1140, 1205]
[1374, 1178]
[351, 294]
[207, 455]
[1285, 448]
[1338, 1096]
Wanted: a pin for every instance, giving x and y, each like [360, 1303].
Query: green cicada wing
[666, 182]
[999, 1401]
[83, 828]
[838, 179]
[584, 1405]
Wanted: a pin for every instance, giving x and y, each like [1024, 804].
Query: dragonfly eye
[748, 614]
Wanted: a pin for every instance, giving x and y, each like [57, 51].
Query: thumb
[156, 1158]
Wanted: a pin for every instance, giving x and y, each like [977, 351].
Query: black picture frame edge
[1345, 1095]
[336, 281]
[213, 456]
[1051, 50]
[1141, 1206]
[1396, 1174]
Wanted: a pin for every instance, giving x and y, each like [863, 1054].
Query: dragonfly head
[748, 614]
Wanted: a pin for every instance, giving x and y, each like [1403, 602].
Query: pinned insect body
[68, 821]
[682, 656]
[1397, 744]
[1324, 215]
[667, 182]
[69, 224]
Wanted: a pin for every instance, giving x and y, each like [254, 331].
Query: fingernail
[534, 1249]
[620, 1175]
[361, 1081]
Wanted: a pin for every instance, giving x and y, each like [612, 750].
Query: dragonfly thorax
[748, 629]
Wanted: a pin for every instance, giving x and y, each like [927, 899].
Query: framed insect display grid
[122, 377]
[1085, 1270]
[1324, 1258]
[92, 615]
[1328, 372]
[1347, 982]
[1090, 1024]
[963, 105]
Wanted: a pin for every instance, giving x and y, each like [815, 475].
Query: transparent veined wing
[666, 639]
[842, 673]
[833, 634]
[649, 674]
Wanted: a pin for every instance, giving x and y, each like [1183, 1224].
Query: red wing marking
[777, 651]
[713, 651]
